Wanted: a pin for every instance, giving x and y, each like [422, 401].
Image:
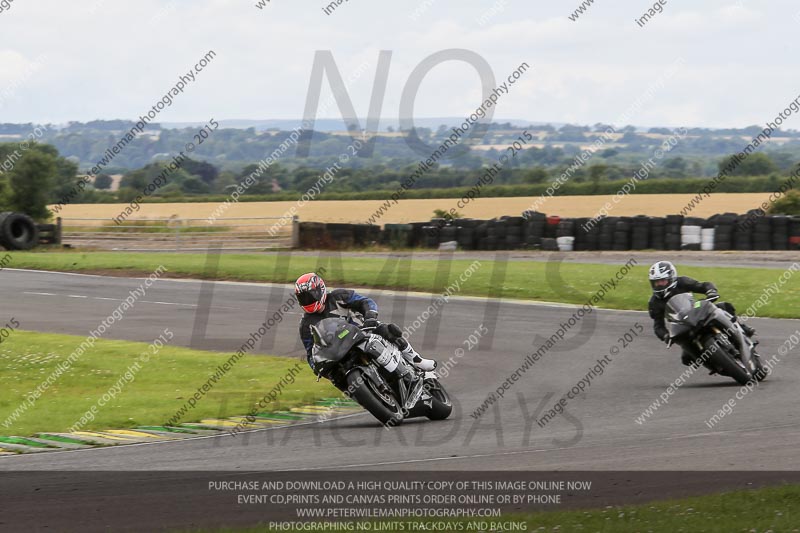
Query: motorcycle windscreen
[685, 313]
[680, 305]
[679, 311]
[333, 338]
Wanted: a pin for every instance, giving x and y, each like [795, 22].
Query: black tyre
[18, 231]
[761, 373]
[448, 233]
[380, 403]
[724, 359]
[549, 245]
[441, 406]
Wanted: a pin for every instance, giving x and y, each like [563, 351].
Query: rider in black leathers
[319, 303]
[666, 283]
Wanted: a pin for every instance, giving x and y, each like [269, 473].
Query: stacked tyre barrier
[317, 235]
[18, 231]
[533, 229]
[537, 231]
[724, 228]
[794, 233]
[397, 235]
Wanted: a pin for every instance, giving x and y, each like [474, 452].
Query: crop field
[355, 211]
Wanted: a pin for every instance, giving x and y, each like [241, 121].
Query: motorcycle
[345, 354]
[723, 345]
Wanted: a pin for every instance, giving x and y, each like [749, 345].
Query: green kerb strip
[280, 416]
[167, 429]
[65, 440]
[337, 403]
[201, 426]
[24, 442]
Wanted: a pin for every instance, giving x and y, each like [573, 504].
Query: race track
[598, 433]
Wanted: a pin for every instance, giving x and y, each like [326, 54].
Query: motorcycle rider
[318, 303]
[666, 283]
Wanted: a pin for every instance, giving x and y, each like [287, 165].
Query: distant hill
[331, 124]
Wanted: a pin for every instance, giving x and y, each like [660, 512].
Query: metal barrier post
[295, 232]
[178, 235]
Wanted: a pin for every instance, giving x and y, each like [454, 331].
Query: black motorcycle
[345, 354]
[704, 328]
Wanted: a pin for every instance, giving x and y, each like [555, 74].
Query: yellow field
[354, 211]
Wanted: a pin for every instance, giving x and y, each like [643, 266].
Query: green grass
[523, 280]
[160, 388]
[771, 509]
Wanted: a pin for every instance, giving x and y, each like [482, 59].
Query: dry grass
[353, 211]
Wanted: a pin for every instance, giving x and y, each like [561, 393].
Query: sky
[108, 59]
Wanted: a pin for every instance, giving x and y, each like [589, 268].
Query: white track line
[386, 292]
[418, 295]
[642, 445]
[139, 301]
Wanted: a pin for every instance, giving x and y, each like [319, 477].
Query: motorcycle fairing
[334, 338]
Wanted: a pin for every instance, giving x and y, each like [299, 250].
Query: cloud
[111, 59]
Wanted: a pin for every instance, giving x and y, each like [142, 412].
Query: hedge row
[570, 188]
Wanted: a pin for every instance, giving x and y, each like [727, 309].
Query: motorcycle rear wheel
[381, 405]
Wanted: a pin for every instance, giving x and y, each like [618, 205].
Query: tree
[30, 182]
[205, 171]
[597, 173]
[675, 167]
[103, 181]
[788, 205]
[756, 164]
[193, 185]
[442, 213]
[138, 179]
[536, 175]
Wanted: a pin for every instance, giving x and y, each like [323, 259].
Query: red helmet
[311, 293]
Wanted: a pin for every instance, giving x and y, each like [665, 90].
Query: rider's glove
[371, 319]
[712, 295]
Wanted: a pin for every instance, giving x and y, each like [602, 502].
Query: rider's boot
[411, 355]
[750, 332]
[388, 359]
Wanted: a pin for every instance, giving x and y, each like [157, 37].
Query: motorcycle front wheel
[761, 372]
[441, 406]
[380, 403]
[724, 359]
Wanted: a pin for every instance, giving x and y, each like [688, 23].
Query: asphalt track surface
[598, 433]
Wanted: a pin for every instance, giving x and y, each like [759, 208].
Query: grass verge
[567, 282]
[768, 509]
[158, 390]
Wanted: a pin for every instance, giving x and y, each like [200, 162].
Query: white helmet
[663, 277]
